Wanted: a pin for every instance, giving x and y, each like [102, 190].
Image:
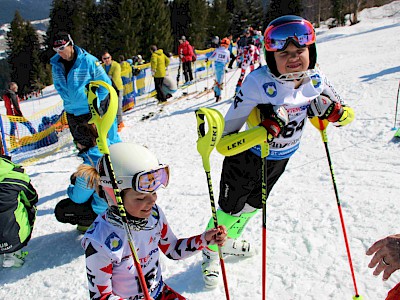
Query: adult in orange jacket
[185, 52]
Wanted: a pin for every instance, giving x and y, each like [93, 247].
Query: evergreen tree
[91, 29]
[219, 19]
[278, 8]
[35, 69]
[179, 20]
[4, 75]
[155, 27]
[240, 17]
[124, 18]
[131, 20]
[256, 16]
[197, 33]
[338, 11]
[23, 53]
[108, 11]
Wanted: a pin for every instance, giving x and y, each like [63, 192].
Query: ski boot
[15, 259]
[238, 248]
[81, 228]
[210, 268]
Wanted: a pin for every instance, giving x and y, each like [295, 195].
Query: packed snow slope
[306, 255]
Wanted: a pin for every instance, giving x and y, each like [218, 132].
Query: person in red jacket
[185, 52]
[11, 102]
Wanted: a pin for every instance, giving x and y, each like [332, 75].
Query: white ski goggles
[146, 182]
[61, 48]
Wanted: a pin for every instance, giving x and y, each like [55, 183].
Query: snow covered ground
[306, 256]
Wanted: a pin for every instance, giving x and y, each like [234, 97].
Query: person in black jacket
[18, 200]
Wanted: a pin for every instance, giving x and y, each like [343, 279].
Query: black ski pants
[158, 82]
[241, 180]
[187, 71]
[67, 211]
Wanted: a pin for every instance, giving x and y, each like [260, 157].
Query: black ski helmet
[269, 55]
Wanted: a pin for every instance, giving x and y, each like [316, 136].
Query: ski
[148, 115]
[182, 97]
[183, 86]
[163, 104]
[205, 92]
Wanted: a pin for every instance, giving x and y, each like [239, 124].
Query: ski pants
[67, 211]
[219, 75]
[158, 82]
[241, 180]
[75, 121]
[233, 58]
[187, 71]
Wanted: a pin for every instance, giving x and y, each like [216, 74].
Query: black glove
[324, 108]
[275, 119]
[72, 179]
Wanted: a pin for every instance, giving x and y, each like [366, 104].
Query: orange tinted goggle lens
[150, 181]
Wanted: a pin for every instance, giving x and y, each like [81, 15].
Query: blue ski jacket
[80, 192]
[72, 87]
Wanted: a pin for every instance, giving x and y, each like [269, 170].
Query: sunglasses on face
[105, 58]
[61, 48]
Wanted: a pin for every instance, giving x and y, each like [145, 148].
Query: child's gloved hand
[216, 235]
[324, 108]
[275, 119]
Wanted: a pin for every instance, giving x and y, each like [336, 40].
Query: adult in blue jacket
[72, 69]
[83, 203]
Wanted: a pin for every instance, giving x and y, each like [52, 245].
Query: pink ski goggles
[301, 33]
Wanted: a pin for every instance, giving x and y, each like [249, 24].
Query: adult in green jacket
[113, 70]
[159, 63]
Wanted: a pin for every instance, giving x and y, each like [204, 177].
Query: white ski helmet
[134, 166]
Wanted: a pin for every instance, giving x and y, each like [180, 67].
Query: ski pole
[225, 81]
[397, 104]
[195, 75]
[179, 72]
[321, 126]
[264, 154]
[103, 124]
[3, 137]
[232, 76]
[207, 70]
[205, 144]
